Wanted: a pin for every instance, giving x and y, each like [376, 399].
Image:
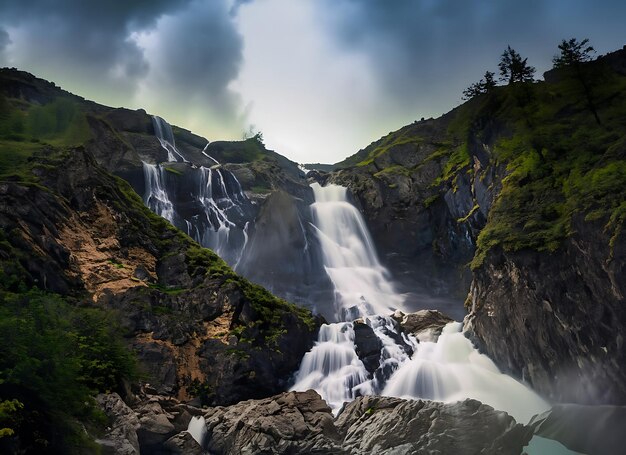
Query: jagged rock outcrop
[300, 422]
[121, 432]
[367, 345]
[424, 226]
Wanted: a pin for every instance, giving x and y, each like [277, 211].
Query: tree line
[513, 68]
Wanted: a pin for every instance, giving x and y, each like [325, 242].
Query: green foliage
[9, 416]
[54, 356]
[558, 165]
[173, 171]
[392, 140]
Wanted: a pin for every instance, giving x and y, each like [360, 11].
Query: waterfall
[361, 283]
[163, 132]
[448, 369]
[214, 210]
[451, 369]
[207, 155]
[197, 429]
[220, 194]
[155, 195]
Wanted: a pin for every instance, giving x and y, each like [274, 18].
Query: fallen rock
[183, 444]
[385, 425]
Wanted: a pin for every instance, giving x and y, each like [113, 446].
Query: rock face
[200, 330]
[424, 227]
[300, 422]
[563, 316]
[121, 435]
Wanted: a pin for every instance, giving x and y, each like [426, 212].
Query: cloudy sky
[320, 78]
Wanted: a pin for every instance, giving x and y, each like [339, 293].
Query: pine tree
[513, 68]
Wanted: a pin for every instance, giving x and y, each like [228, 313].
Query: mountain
[512, 203]
[519, 196]
[88, 271]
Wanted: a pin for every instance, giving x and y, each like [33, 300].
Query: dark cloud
[173, 55]
[424, 51]
[4, 42]
[85, 42]
[195, 55]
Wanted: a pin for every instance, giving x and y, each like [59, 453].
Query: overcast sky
[320, 78]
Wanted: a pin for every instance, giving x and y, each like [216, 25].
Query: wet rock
[557, 320]
[367, 346]
[300, 422]
[425, 325]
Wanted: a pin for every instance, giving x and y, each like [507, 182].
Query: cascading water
[155, 195]
[163, 132]
[448, 370]
[214, 211]
[361, 283]
[222, 198]
[197, 429]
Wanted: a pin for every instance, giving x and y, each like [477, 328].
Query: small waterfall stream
[155, 195]
[448, 369]
[163, 132]
[214, 208]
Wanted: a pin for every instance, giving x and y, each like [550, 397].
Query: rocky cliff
[199, 331]
[520, 192]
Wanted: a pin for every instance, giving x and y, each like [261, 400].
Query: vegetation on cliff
[65, 337]
[558, 147]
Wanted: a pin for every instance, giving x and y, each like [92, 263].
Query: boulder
[425, 325]
[121, 434]
[301, 422]
[292, 422]
[385, 425]
[368, 346]
[183, 444]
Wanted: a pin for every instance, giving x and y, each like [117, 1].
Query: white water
[197, 429]
[449, 369]
[207, 155]
[163, 132]
[216, 200]
[361, 283]
[155, 195]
